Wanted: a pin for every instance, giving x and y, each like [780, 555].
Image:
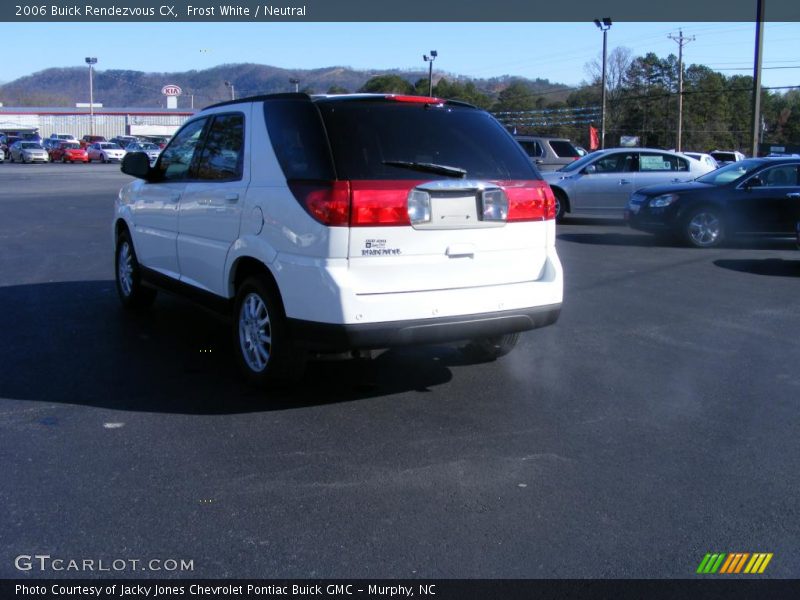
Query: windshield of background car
[581, 162]
[366, 134]
[730, 172]
[71, 146]
[564, 149]
[30, 145]
[724, 156]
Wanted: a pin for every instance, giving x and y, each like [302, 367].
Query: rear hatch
[437, 195]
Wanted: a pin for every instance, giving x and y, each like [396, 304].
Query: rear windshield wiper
[428, 167]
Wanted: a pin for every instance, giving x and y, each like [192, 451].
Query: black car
[5, 143]
[755, 196]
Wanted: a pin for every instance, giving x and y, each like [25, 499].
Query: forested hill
[67, 86]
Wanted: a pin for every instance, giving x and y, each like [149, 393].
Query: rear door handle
[624, 181]
[793, 195]
[231, 198]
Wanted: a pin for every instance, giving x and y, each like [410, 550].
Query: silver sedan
[600, 184]
[152, 150]
[27, 152]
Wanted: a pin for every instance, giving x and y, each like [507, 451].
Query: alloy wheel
[255, 333]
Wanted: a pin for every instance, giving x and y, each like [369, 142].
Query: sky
[555, 51]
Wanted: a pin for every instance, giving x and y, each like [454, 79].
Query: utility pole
[603, 26]
[682, 41]
[757, 75]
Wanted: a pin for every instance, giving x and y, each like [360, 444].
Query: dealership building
[108, 122]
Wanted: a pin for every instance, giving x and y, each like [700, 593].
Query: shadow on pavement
[594, 221]
[776, 267]
[72, 343]
[616, 239]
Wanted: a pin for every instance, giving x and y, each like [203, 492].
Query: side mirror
[137, 164]
[590, 169]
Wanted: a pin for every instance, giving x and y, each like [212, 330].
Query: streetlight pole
[91, 61]
[296, 83]
[429, 60]
[233, 92]
[603, 26]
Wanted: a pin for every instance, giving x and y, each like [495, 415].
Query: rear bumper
[335, 338]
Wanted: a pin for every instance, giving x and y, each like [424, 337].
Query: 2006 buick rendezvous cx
[330, 223]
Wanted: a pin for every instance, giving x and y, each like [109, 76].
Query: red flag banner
[594, 140]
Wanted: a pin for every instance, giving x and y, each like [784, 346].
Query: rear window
[365, 135]
[564, 149]
[724, 156]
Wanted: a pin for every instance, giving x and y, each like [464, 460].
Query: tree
[387, 84]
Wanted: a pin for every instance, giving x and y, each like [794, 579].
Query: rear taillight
[326, 201]
[530, 201]
[396, 203]
[380, 203]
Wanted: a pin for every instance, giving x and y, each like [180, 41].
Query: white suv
[335, 223]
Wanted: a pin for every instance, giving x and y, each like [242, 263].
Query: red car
[69, 152]
[88, 140]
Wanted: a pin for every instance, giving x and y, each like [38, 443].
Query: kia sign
[171, 90]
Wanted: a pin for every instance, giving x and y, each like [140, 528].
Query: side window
[223, 152]
[298, 139]
[782, 176]
[532, 149]
[621, 162]
[176, 158]
[661, 162]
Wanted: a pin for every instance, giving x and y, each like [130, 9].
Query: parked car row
[700, 198]
[67, 150]
[54, 141]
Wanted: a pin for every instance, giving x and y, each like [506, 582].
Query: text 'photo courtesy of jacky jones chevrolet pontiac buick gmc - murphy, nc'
[334, 223]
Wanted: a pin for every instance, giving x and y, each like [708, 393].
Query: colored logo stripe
[710, 563]
[734, 563]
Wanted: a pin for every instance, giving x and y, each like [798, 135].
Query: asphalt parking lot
[655, 422]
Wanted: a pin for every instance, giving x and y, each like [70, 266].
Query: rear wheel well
[246, 267]
[120, 227]
[562, 197]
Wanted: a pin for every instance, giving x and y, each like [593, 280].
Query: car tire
[704, 227]
[561, 205]
[263, 346]
[492, 348]
[64, 159]
[132, 293]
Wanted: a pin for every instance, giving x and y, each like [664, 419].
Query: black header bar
[393, 10]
